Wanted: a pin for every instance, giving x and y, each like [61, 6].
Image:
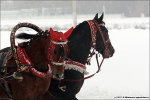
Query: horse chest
[41, 85]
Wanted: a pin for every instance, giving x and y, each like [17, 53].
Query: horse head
[58, 52]
[87, 35]
[103, 43]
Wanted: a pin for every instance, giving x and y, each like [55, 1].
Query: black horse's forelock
[25, 36]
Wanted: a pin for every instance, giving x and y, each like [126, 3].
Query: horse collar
[26, 64]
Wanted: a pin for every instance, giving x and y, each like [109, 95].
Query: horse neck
[37, 51]
[80, 43]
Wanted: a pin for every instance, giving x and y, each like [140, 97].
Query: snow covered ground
[126, 74]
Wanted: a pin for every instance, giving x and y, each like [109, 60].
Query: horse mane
[26, 36]
[76, 31]
[77, 28]
[79, 43]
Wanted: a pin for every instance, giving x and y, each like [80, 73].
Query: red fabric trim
[41, 74]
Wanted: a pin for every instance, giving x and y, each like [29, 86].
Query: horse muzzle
[58, 70]
[108, 52]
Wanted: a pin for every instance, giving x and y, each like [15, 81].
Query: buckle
[17, 76]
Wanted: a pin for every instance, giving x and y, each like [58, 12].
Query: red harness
[56, 38]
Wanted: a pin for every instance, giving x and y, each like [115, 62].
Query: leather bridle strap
[97, 25]
[99, 65]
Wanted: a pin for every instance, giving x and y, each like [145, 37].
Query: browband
[62, 43]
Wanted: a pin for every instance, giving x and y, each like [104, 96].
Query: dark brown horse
[37, 60]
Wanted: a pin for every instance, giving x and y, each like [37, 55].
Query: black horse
[80, 46]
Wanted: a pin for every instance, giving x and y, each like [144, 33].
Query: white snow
[125, 74]
[65, 22]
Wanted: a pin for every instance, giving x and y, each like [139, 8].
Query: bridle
[52, 45]
[58, 39]
[95, 27]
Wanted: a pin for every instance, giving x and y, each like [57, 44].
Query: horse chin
[106, 56]
[108, 53]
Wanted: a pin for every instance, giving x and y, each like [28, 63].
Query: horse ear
[101, 18]
[67, 34]
[51, 31]
[96, 17]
